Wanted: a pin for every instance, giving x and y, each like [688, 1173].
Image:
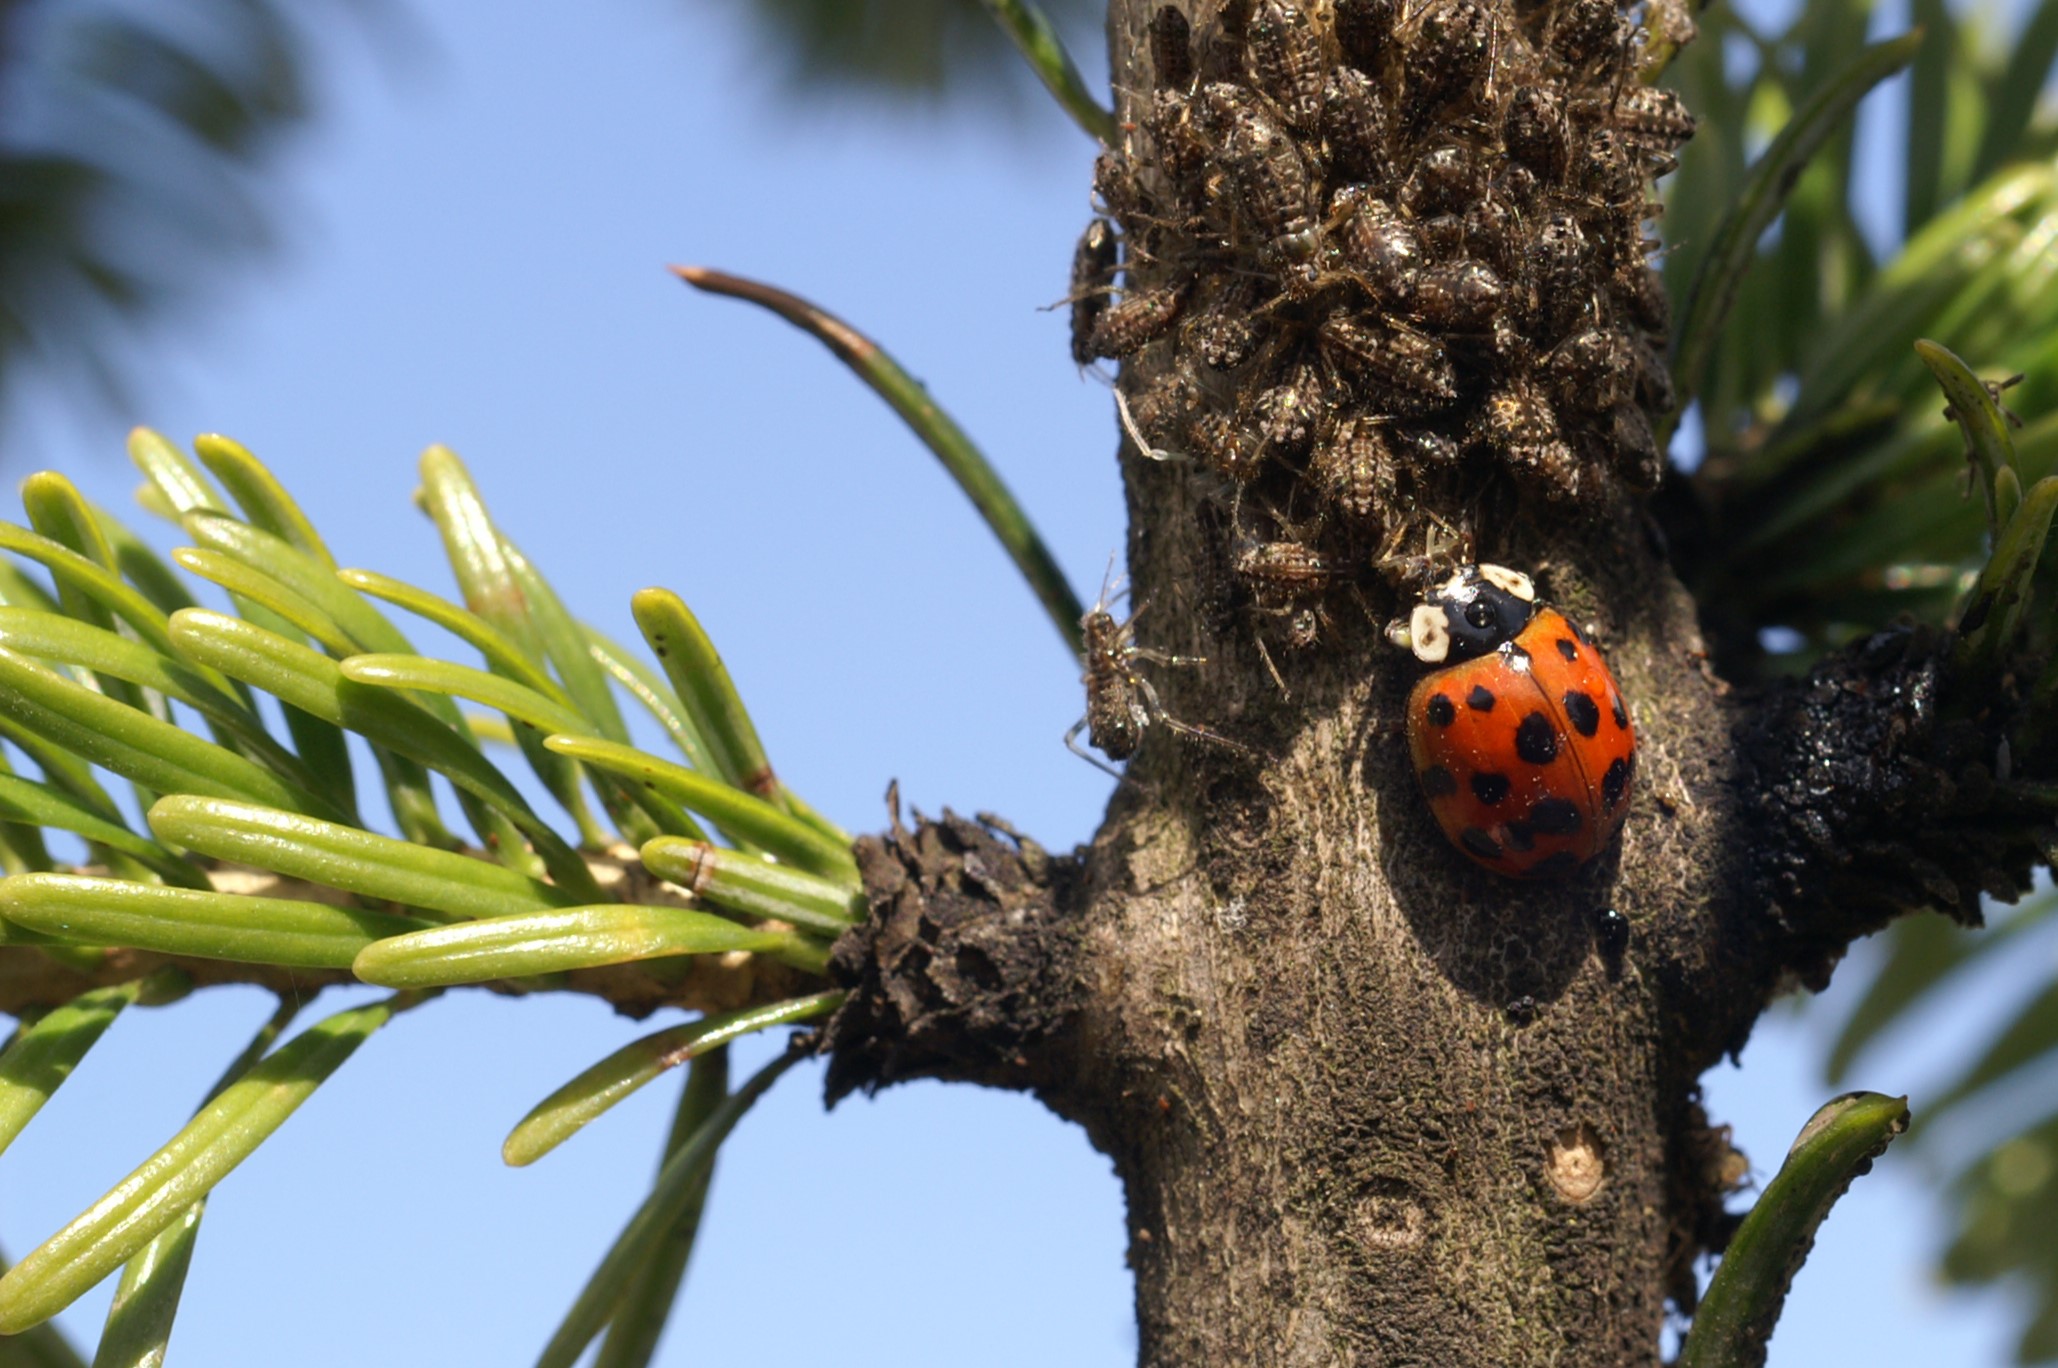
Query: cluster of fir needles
[1382, 264]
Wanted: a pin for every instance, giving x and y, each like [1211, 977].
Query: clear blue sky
[476, 243]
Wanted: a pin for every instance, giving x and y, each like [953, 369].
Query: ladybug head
[1470, 614]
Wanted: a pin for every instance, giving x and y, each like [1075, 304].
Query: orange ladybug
[1521, 740]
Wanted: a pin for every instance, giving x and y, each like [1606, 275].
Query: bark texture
[1371, 1104]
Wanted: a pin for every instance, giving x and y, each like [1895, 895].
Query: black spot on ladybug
[1480, 844]
[1480, 699]
[1611, 930]
[1621, 713]
[1581, 713]
[1521, 837]
[1555, 866]
[1614, 782]
[1536, 741]
[1554, 816]
[1490, 788]
[1441, 713]
[1437, 782]
[1568, 648]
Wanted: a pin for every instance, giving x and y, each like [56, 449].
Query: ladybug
[1521, 740]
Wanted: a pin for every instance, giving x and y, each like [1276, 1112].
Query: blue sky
[476, 238]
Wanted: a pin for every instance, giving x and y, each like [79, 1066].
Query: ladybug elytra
[1521, 740]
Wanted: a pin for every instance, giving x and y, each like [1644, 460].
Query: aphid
[1461, 297]
[1114, 181]
[1288, 413]
[1093, 263]
[1585, 31]
[1641, 293]
[1636, 448]
[1535, 133]
[1561, 271]
[1120, 703]
[1182, 151]
[1283, 572]
[1354, 468]
[1270, 184]
[1223, 338]
[1164, 406]
[1285, 59]
[1425, 446]
[1171, 48]
[1451, 48]
[1225, 446]
[1142, 317]
[1603, 166]
[1655, 122]
[1446, 178]
[1378, 242]
[1520, 738]
[1399, 371]
[1521, 426]
[1364, 29]
[1354, 123]
[1592, 371]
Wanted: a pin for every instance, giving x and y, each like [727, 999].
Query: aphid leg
[1143, 447]
[1158, 714]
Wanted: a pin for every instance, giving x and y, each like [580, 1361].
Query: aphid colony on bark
[1371, 250]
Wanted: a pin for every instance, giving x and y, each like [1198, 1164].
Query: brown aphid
[1287, 414]
[1398, 370]
[1653, 376]
[1460, 297]
[1583, 32]
[1451, 46]
[1354, 467]
[1640, 291]
[1655, 121]
[1171, 49]
[1561, 271]
[1283, 572]
[1423, 446]
[1225, 446]
[1378, 243]
[1114, 181]
[1266, 173]
[1182, 151]
[1364, 30]
[1116, 713]
[1535, 132]
[1140, 318]
[1093, 265]
[1604, 166]
[1223, 338]
[1521, 427]
[1636, 448]
[1286, 63]
[1592, 371]
[1164, 406]
[1445, 179]
[1354, 125]
[1121, 704]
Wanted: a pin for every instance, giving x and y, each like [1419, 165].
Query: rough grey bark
[1371, 1104]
